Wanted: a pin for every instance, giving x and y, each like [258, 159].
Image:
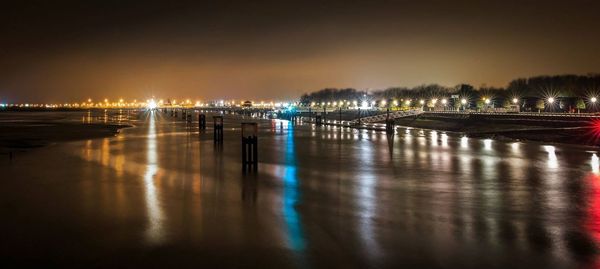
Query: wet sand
[20, 131]
[161, 194]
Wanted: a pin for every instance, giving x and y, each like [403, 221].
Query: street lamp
[515, 100]
[551, 100]
[463, 103]
[593, 99]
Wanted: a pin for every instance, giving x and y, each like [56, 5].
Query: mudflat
[25, 130]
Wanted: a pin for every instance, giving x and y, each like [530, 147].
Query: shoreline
[22, 138]
[583, 135]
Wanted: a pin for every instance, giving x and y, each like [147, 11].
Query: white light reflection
[487, 144]
[515, 147]
[464, 142]
[552, 160]
[444, 137]
[595, 164]
[154, 231]
[434, 138]
[367, 196]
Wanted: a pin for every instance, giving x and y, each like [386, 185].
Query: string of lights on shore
[106, 103]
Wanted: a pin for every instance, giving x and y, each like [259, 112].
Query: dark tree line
[569, 91]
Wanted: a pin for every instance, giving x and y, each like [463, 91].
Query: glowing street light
[444, 101]
[550, 100]
[383, 102]
[422, 102]
[463, 101]
[395, 102]
[593, 99]
[487, 101]
[151, 104]
[515, 100]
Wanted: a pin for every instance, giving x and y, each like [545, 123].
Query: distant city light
[551, 100]
[593, 99]
[364, 104]
[151, 104]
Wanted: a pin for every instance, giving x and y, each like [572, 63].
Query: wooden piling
[218, 129]
[249, 146]
[202, 122]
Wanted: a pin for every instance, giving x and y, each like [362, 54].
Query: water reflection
[552, 160]
[595, 163]
[291, 194]
[487, 144]
[464, 142]
[154, 230]
[366, 200]
[432, 193]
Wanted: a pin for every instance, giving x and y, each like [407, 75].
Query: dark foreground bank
[24, 130]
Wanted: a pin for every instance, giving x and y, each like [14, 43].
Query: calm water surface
[161, 194]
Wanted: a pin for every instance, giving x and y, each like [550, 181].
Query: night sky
[54, 51]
